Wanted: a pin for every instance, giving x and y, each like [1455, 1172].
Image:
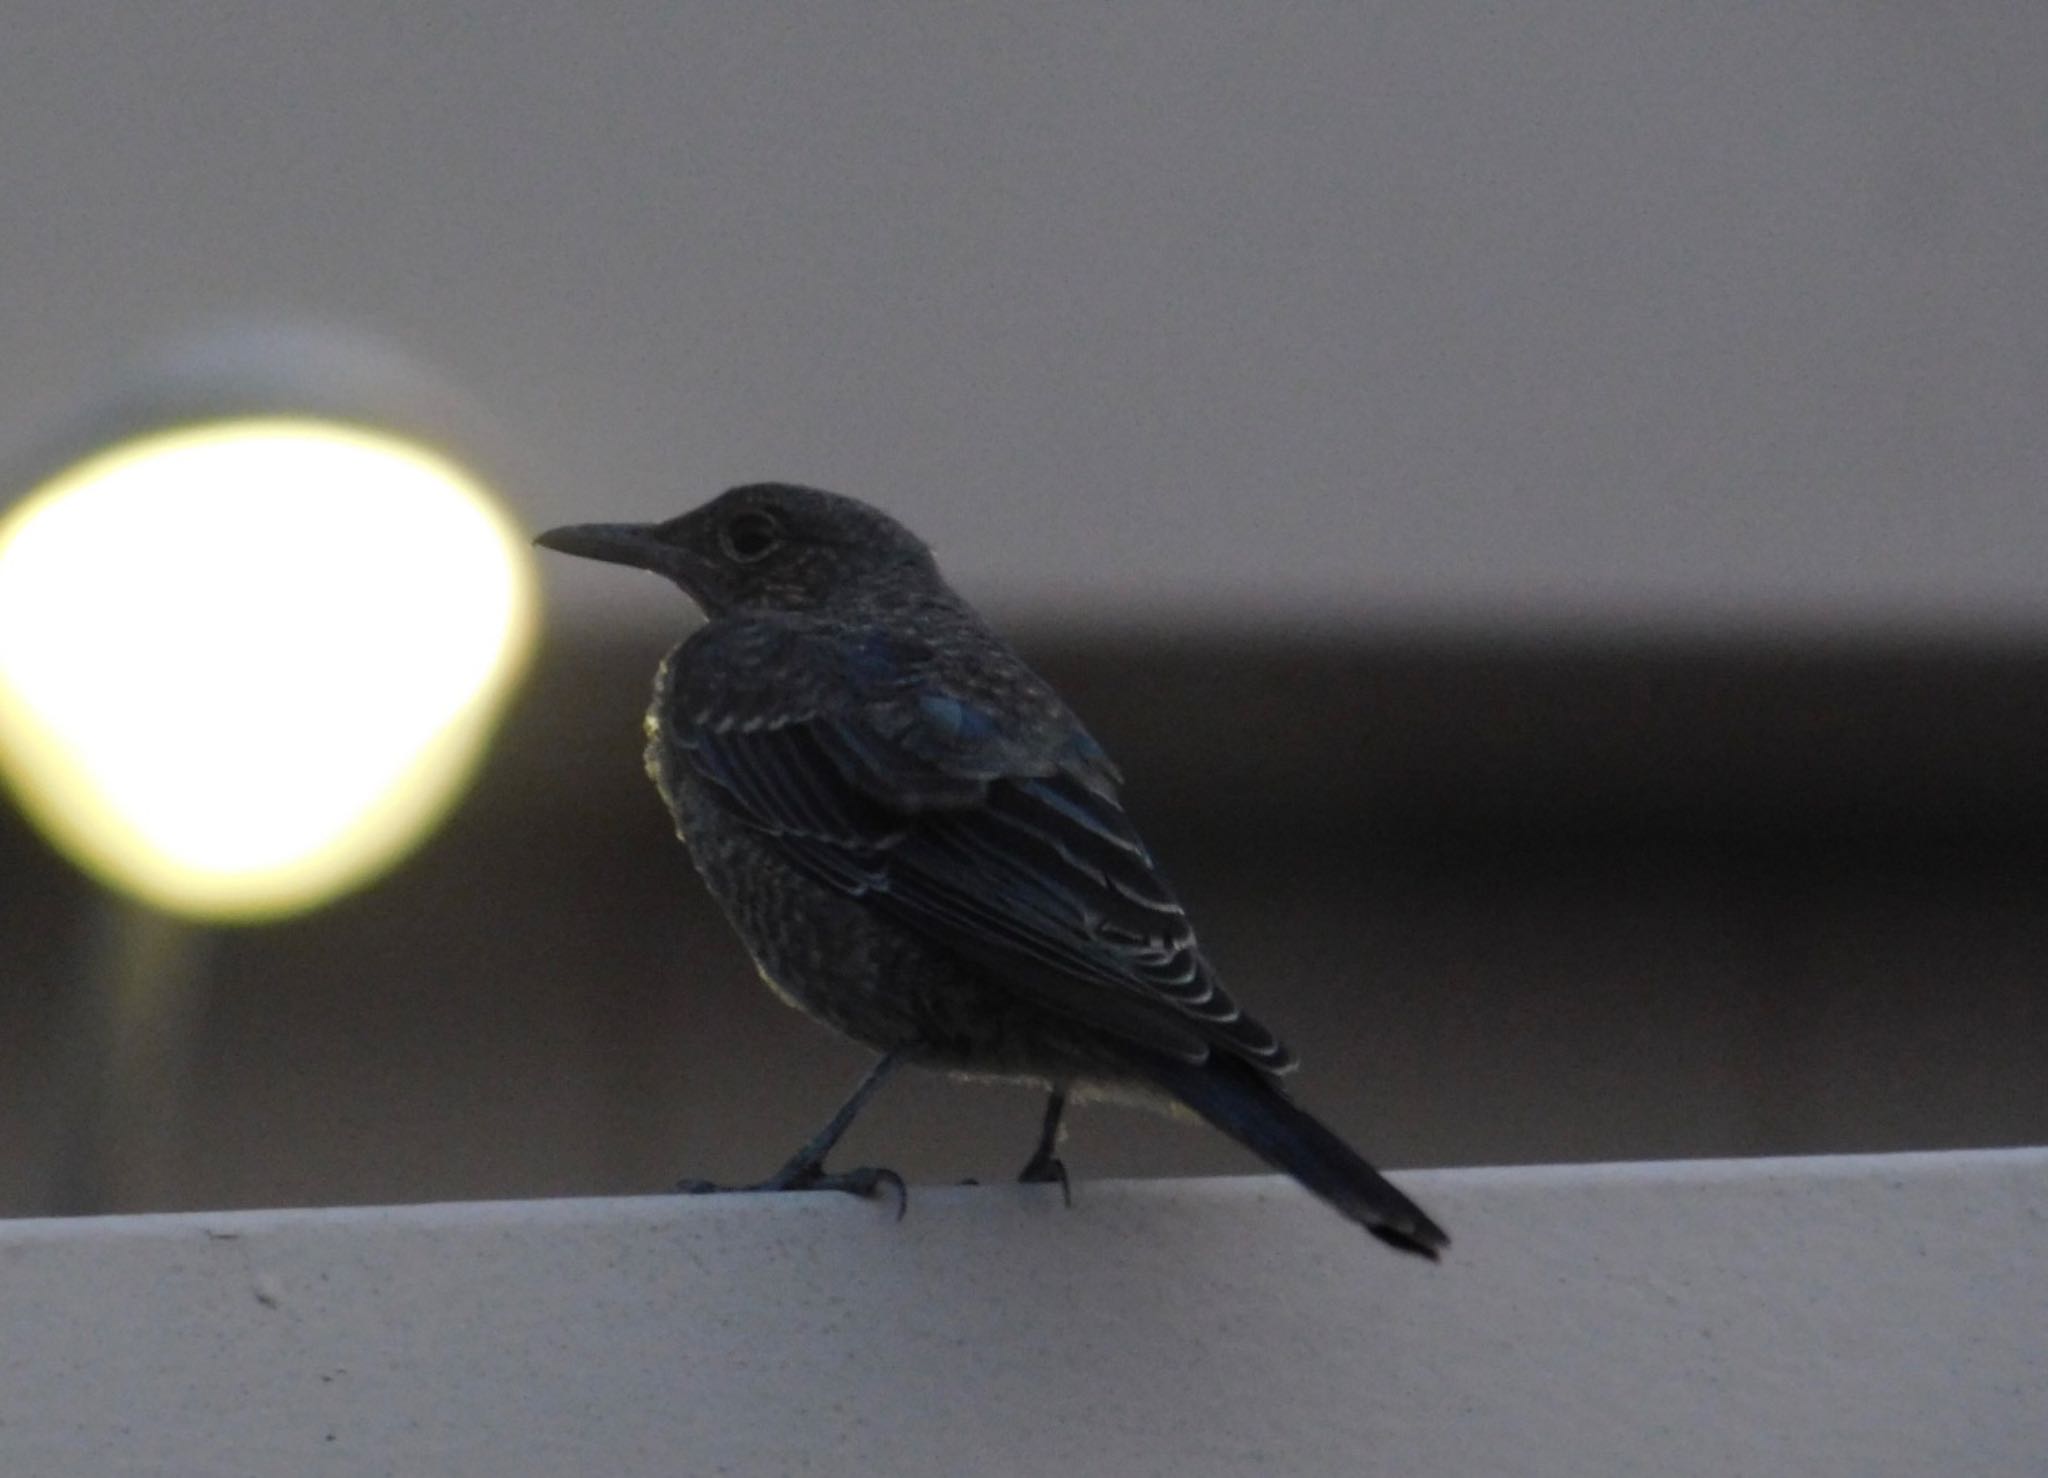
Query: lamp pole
[125, 1056]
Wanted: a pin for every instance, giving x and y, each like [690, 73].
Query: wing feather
[1009, 847]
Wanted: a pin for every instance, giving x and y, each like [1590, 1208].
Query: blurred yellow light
[244, 665]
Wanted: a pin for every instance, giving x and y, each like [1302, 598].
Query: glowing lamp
[246, 663]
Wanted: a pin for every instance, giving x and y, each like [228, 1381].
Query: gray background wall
[1398, 309]
[1548, 502]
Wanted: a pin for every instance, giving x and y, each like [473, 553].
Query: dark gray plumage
[923, 848]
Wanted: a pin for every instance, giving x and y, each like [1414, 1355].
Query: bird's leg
[1044, 1165]
[805, 1170]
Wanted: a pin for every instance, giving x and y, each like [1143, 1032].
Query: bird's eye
[749, 536]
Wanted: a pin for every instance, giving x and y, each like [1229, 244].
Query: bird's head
[768, 546]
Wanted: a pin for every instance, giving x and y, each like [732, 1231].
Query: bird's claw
[1048, 1170]
[862, 1181]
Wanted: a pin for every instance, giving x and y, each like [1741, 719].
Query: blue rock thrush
[924, 849]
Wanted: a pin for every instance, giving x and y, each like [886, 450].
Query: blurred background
[1546, 505]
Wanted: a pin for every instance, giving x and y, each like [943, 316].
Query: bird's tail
[1256, 1113]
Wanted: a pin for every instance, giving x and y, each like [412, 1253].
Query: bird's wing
[1000, 836]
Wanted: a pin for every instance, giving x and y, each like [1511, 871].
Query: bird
[922, 847]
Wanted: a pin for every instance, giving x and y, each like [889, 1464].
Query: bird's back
[919, 770]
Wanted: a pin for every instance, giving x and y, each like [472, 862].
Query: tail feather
[1256, 1113]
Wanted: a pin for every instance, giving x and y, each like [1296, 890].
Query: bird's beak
[635, 544]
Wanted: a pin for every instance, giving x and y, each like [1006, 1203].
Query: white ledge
[1856, 1316]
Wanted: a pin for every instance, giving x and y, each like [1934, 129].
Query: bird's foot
[863, 1180]
[1047, 1170]
[802, 1175]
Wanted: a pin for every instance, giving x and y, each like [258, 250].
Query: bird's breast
[659, 755]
